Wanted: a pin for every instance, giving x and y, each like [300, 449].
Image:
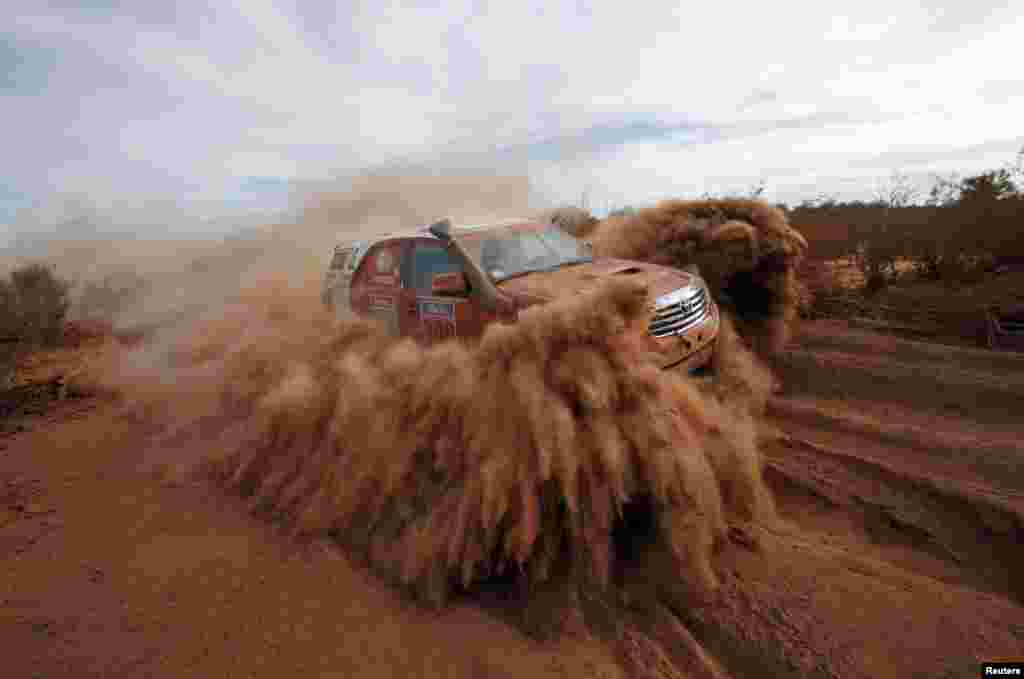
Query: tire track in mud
[941, 388]
[975, 539]
[833, 361]
[952, 450]
[900, 447]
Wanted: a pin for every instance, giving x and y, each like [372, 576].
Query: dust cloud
[552, 452]
[152, 281]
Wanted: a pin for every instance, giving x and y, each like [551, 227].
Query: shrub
[8, 331]
[33, 305]
[9, 318]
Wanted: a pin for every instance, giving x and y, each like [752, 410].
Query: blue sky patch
[24, 68]
[262, 184]
[604, 137]
[87, 5]
[96, 6]
[11, 201]
[259, 192]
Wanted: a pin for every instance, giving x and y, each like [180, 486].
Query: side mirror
[441, 230]
[452, 284]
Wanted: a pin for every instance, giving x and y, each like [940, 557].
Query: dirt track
[895, 466]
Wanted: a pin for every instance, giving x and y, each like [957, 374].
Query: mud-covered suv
[444, 282]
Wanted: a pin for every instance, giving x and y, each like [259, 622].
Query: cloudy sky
[222, 108]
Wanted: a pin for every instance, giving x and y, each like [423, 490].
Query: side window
[428, 261]
[358, 250]
[384, 262]
[380, 265]
[340, 257]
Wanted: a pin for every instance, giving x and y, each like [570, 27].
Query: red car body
[412, 284]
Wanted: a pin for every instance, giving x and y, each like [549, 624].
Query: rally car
[445, 281]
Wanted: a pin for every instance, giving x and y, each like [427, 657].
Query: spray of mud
[551, 453]
[451, 466]
[745, 249]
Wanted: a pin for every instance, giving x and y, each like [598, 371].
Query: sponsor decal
[385, 262]
[437, 329]
[381, 303]
[437, 311]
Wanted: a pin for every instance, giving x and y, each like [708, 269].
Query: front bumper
[692, 349]
[695, 361]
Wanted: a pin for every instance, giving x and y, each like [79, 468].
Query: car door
[428, 317]
[335, 293]
[377, 285]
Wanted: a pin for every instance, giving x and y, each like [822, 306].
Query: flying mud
[744, 249]
[548, 477]
[520, 458]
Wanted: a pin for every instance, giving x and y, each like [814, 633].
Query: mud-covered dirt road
[895, 465]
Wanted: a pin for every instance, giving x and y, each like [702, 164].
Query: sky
[190, 110]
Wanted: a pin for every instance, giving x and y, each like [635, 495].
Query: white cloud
[189, 102]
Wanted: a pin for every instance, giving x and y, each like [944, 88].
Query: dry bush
[9, 328]
[744, 249]
[33, 304]
[823, 292]
[944, 242]
[10, 317]
[451, 465]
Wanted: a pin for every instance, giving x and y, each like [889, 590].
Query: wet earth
[895, 466]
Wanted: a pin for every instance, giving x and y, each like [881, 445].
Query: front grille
[681, 315]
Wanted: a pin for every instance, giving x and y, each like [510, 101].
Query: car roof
[456, 230]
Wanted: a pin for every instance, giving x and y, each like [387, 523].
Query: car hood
[542, 286]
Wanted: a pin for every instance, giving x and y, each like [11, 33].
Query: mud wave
[449, 466]
[745, 249]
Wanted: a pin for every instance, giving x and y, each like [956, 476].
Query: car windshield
[505, 254]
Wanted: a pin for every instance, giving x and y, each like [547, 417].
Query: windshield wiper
[568, 262]
[545, 269]
[517, 274]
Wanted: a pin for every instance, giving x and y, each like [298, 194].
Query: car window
[508, 253]
[428, 261]
[340, 257]
[358, 250]
[380, 264]
[385, 262]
